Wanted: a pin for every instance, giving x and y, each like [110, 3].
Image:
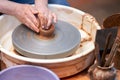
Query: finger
[45, 22]
[34, 12]
[49, 21]
[31, 25]
[46, 16]
[32, 17]
[42, 20]
[54, 17]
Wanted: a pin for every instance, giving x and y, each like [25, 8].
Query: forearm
[41, 3]
[8, 7]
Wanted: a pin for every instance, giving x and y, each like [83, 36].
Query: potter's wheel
[64, 43]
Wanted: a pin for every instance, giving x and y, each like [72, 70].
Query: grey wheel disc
[63, 44]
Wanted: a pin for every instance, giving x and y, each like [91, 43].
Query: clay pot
[47, 33]
[104, 73]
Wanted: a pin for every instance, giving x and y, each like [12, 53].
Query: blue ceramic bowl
[27, 72]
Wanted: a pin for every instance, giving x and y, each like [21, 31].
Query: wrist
[16, 9]
[41, 3]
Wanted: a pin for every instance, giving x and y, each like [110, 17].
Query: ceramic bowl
[27, 72]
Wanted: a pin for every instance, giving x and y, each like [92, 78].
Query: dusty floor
[100, 9]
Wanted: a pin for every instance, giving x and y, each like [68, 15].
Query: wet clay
[47, 33]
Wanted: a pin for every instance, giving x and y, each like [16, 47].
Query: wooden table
[85, 76]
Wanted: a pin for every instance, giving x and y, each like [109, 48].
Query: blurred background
[100, 9]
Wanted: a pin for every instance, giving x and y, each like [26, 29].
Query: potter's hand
[45, 16]
[26, 14]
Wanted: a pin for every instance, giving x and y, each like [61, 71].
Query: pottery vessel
[104, 73]
[63, 67]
